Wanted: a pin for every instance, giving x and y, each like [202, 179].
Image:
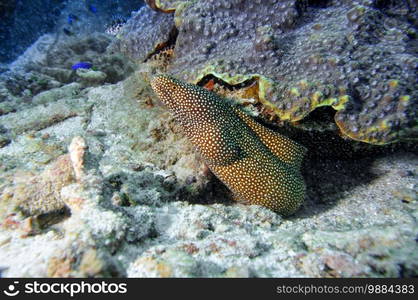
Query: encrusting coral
[144, 33]
[355, 57]
[259, 165]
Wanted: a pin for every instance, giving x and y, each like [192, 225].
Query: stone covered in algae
[37, 194]
[46, 67]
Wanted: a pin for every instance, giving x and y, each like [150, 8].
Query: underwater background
[102, 176]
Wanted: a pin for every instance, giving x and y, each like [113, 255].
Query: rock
[66, 91]
[4, 141]
[59, 267]
[60, 74]
[143, 33]
[237, 272]
[407, 195]
[91, 265]
[41, 117]
[77, 150]
[169, 264]
[39, 194]
[71, 197]
[90, 77]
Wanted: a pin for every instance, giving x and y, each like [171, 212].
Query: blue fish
[81, 65]
[92, 8]
[71, 18]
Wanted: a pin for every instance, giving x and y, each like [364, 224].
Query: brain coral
[358, 57]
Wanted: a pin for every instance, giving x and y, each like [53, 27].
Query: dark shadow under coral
[214, 191]
[328, 180]
[332, 167]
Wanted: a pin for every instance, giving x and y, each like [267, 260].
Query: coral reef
[356, 57]
[145, 33]
[90, 77]
[97, 179]
[136, 205]
[46, 66]
[39, 194]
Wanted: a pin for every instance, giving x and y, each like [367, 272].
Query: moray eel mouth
[179, 98]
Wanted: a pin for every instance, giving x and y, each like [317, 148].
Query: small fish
[92, 8]
[71, 18]
[81, 65]
[116, 25]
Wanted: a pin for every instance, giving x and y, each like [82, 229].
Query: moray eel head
[172, 92]
[166, 89]
[185, 100]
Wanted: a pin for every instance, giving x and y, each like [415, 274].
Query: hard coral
[351, 57]
[291, 57]
[144, 33]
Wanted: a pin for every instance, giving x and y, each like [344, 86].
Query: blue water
[22, 22]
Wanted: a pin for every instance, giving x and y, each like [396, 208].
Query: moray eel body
[258, 165]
